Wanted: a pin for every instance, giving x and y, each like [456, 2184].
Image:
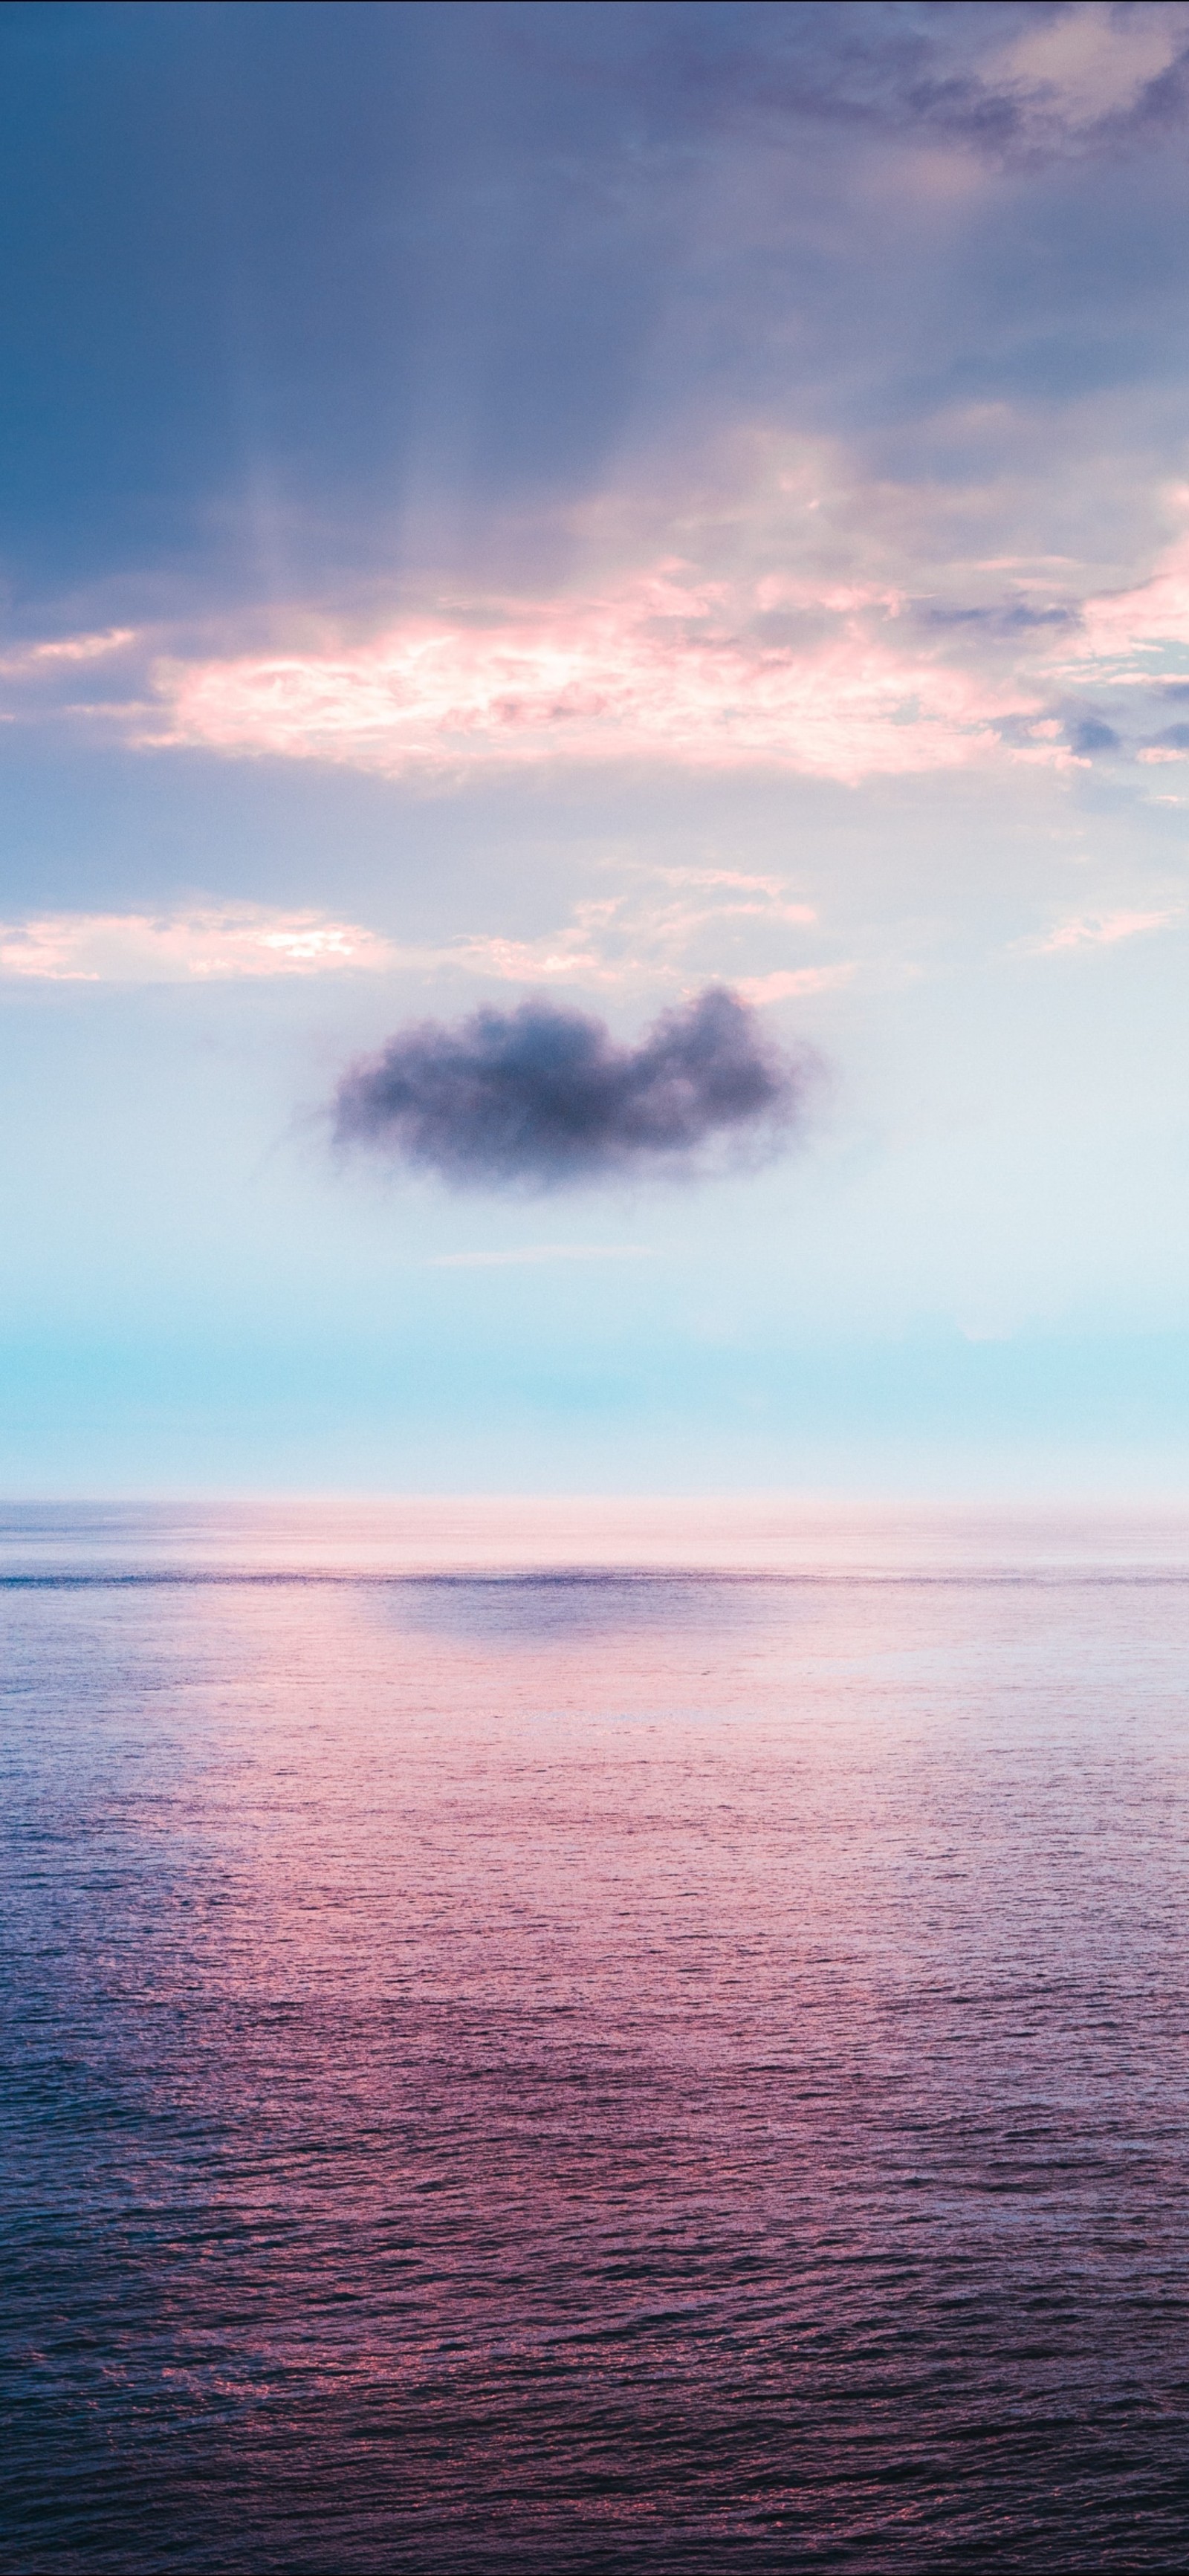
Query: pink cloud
[1156, 612]
[665, 669]
[621, 939]
[1091, 61]
[792, 984]
[617, 940]
[1103, 930]
[32, 659]
[181, 947]
[771, 886]
[1048, 755]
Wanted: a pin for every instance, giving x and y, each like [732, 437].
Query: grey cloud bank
[545, 1098]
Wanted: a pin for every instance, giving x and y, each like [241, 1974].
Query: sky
[516, 523]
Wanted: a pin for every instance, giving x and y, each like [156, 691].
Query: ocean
[577, 2038]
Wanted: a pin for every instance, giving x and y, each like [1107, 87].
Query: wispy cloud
[1126, 623]
[1002, 81]
[664, 929]
[185, 947]
[1103, 930]
[736, 881]
[793, 983]
[1087, 63]
[30, 661]
[648, 935]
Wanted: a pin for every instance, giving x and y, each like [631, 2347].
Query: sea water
[556, 2041]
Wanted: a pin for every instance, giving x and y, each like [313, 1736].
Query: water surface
[580, 2043]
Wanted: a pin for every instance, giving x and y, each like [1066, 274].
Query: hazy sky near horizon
[571, 504]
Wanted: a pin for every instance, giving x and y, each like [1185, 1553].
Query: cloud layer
[672, 668]
[704, 667]
[545, 1098]
[204, 946]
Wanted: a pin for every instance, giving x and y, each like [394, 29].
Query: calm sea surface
[558, 2043]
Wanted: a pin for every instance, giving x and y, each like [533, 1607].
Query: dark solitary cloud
[541, 1097]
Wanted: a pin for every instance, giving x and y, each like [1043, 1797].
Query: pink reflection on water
[564, 2059]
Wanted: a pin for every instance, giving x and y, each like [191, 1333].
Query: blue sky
[570, 504]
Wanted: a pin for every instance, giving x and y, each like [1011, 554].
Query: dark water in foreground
[594, 2071]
